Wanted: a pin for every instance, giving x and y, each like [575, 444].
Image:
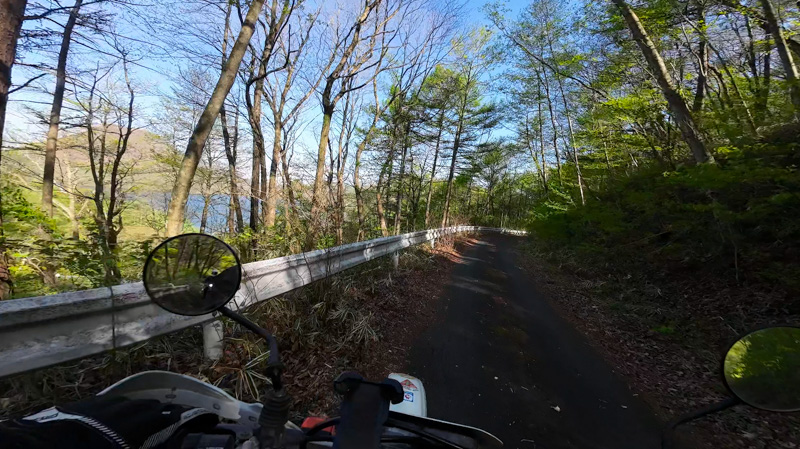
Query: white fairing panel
[175, 388]
[414, 401]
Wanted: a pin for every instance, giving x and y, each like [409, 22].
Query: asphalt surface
[503, 360]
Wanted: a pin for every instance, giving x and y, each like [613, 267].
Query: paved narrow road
[503, 360]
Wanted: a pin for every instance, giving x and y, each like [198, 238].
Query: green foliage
[736, 219]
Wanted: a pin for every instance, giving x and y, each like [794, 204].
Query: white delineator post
[213, 334]
[395, 259]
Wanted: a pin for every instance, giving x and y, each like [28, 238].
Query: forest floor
[674, 365]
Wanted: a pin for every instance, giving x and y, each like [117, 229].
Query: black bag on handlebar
[106, 423]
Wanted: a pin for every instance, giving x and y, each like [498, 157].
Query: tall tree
[55, 112]
[470, 116]
[194, 149]
[11, 14]
[437, 96]
[787, 59]
[231, 142]
[352, 52]
[106, 160]
[677, 106]
[286, 100]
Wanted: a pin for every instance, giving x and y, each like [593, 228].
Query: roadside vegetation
[364, 319]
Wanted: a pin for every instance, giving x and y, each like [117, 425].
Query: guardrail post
[212, 340]
[395, 259]
[433, 243]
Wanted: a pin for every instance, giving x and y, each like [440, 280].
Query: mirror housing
[762, 369]
[192, 274]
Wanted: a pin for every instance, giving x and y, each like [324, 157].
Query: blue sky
[153, 73]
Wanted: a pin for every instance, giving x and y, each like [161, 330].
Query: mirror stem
[667, 436]
[274, 365]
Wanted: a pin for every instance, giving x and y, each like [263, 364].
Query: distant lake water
[217, 212]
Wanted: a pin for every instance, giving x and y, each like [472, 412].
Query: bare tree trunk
[255, 190]
[387, 168]
[55, 113]
[329, 100]
[439, 125]
[358, 191]
[234, 207]
[398, 206]
[356, 172]
[204, 214]
[571, 136]
[344, 143]
[319, 180]
[272, 190]
[541, 135]
[254, 118]
[231, 223]
[262, 194]
[292, 215]
[702, 56]
[792, 75]
[750, 55]
[741, 103]
[10, 24]
[11, 14]
[415, 196]
[794, 46]
[680, 112]
[194, 149]
[72, 188]
[448, 194]
[762, 98]
[553, 124]
[725, 97]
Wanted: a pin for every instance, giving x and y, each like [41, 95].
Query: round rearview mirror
[763, 369]
[192, 274]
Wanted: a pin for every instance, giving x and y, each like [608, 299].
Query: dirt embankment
[362, 320]
[667, 336]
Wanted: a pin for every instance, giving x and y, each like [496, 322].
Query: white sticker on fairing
[408, 396]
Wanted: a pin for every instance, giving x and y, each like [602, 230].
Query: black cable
[667, 435]
[390, 439]
[409, 428]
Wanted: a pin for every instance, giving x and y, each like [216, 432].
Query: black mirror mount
[668, 433]
[274, 364]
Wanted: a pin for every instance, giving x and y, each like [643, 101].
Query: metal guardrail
[47, 330]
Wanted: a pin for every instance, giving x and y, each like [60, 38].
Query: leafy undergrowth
[362, 320]
[664, 270]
